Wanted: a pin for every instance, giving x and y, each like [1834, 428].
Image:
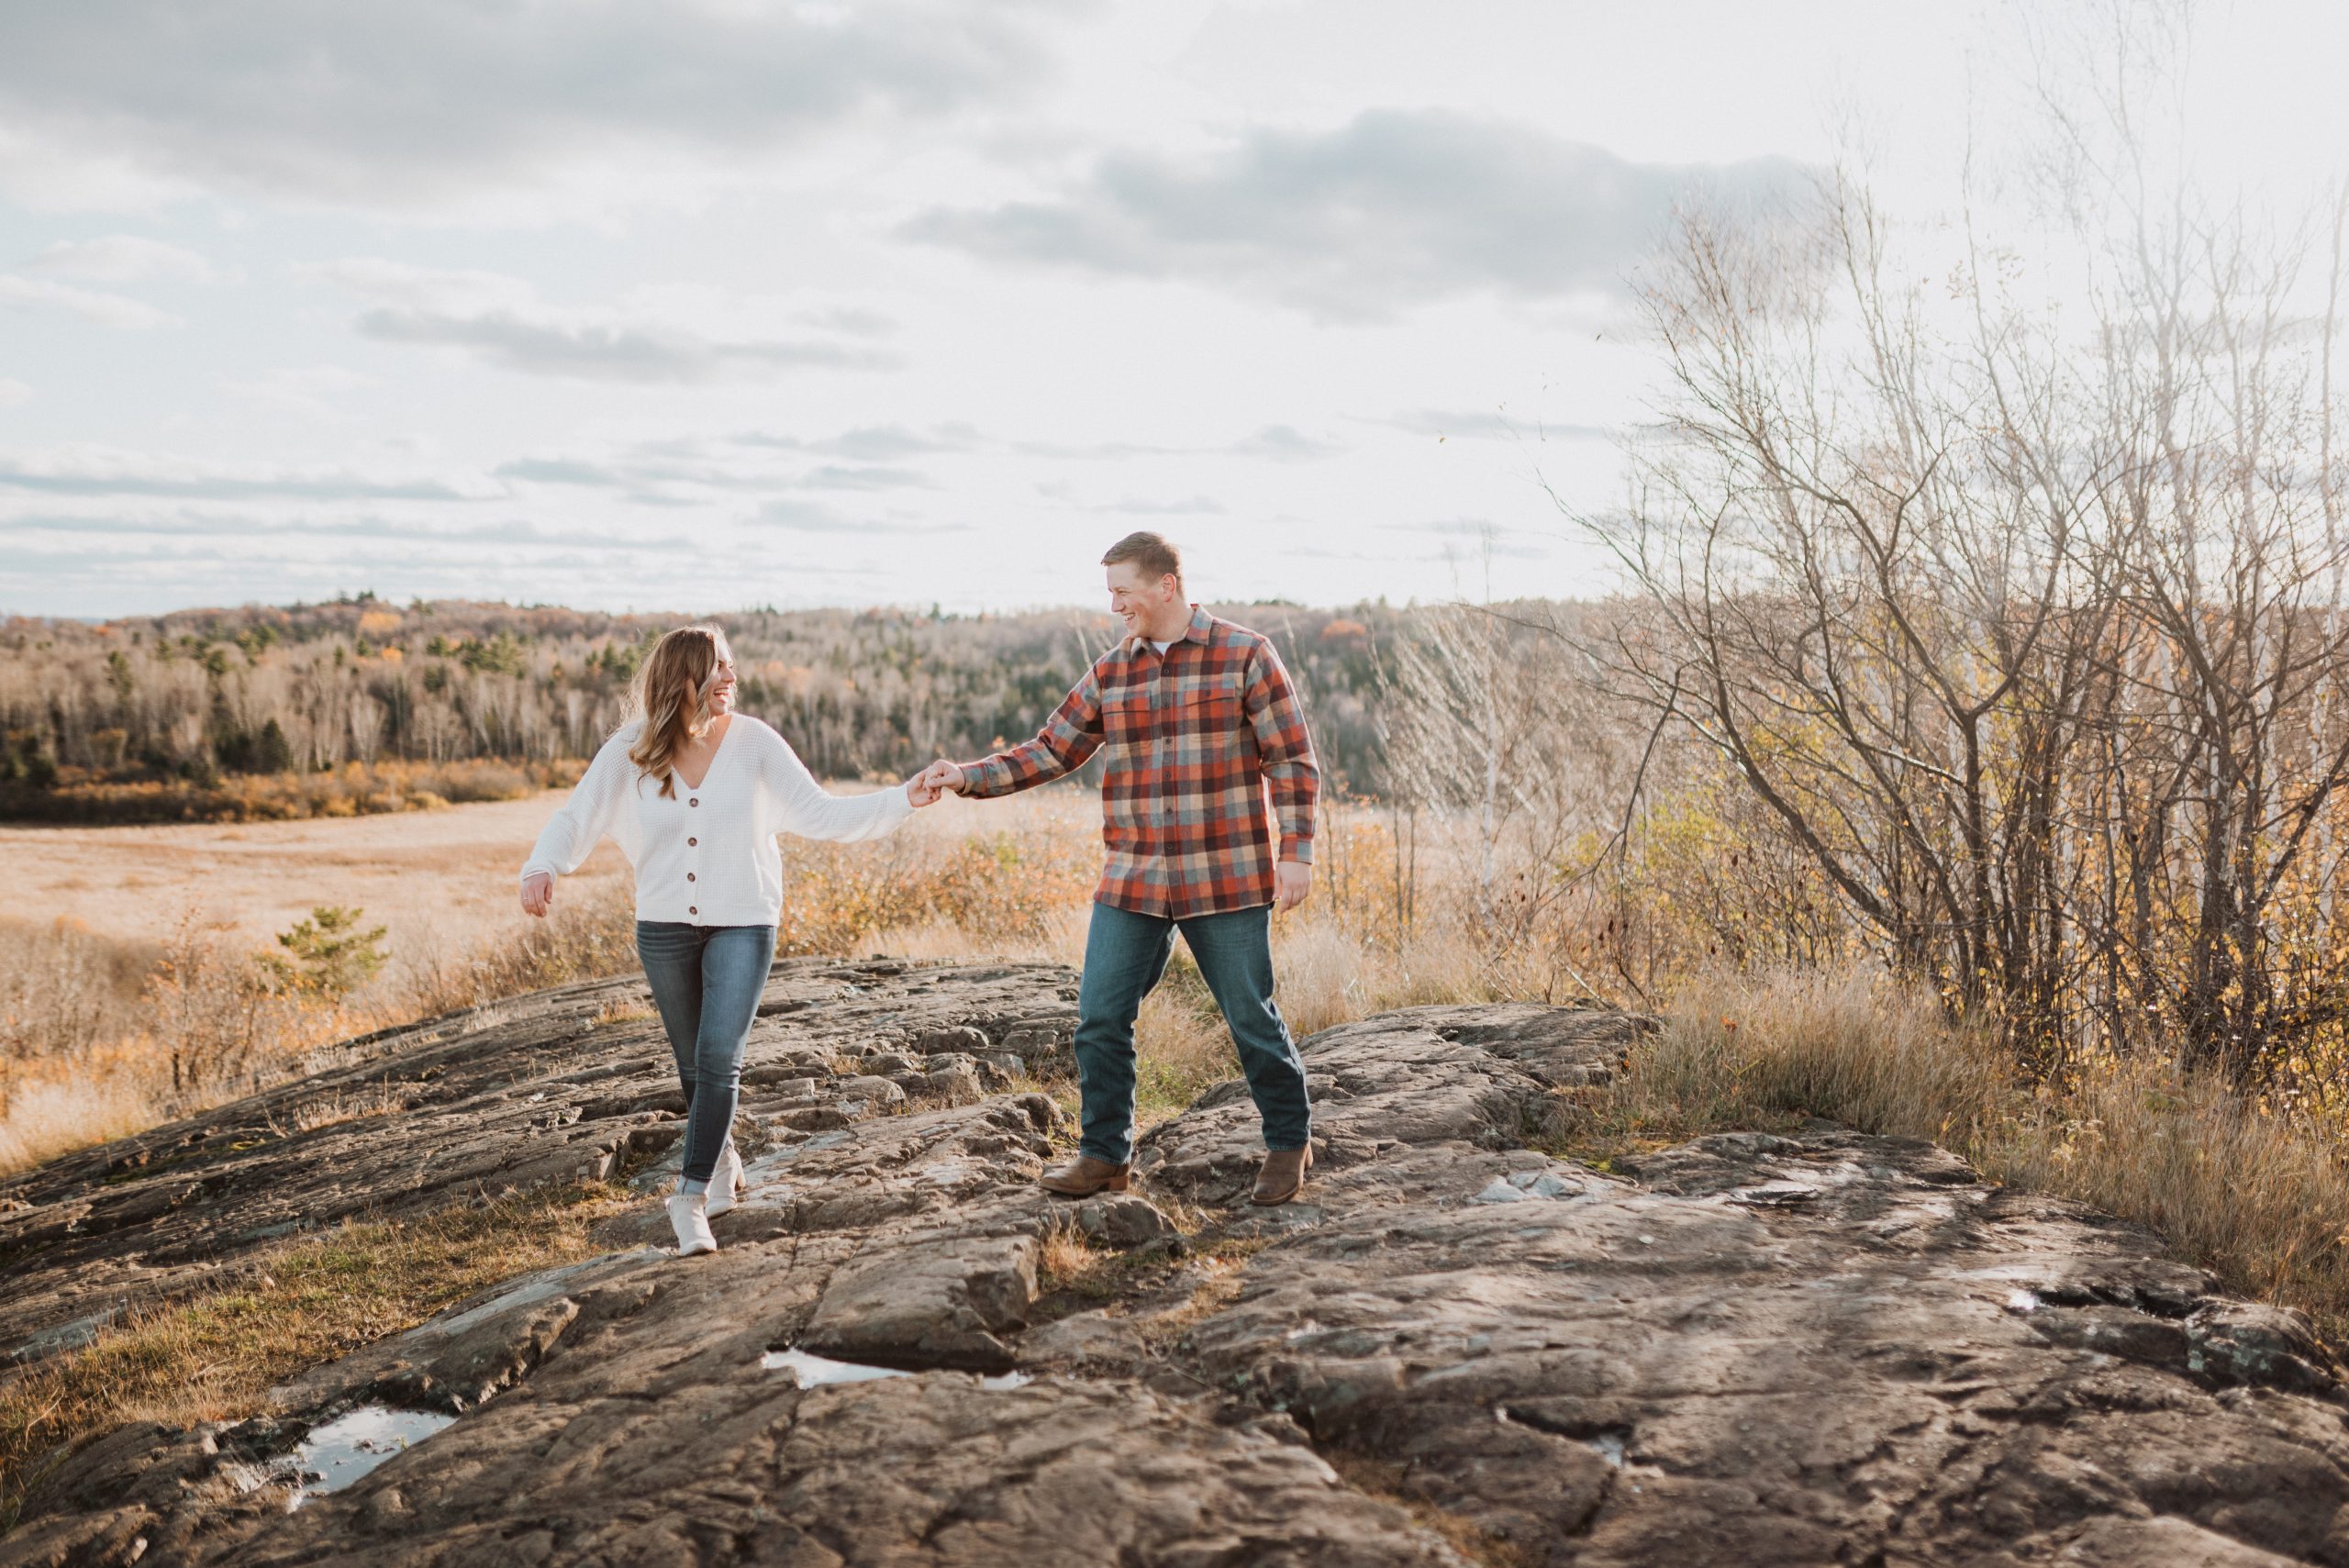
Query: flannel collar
[1201, 627]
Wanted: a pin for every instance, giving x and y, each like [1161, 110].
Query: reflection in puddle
[1610, 1447]
[343, 1449]
[811, 1371]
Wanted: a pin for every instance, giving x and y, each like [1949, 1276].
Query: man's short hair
[1150, 551]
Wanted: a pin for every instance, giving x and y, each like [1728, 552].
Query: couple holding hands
[1198, 723]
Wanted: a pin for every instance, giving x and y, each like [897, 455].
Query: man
[1198, 717]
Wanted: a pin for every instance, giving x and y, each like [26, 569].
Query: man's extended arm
[1069, 737]
[1284, 751]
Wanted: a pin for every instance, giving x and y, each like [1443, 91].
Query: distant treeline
[180, 705]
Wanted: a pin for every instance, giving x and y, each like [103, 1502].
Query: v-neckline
[714, 752]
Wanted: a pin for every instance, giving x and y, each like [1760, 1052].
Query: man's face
[1135, 598]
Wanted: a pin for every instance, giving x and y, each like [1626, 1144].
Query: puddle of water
[1609, 1446]
[343, 1449]
[811, 1371]
[536, 1288]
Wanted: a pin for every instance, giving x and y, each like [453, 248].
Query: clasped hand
[940, 778]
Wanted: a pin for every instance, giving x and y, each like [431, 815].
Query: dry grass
[1219, 1270]
[214, 1356]
[203, 1026]
[2260, 1197]
[591, 935]
[56, 1115]
[66, 986]
[1769, 1053]
[1065, 1260]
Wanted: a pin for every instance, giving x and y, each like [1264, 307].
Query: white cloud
[115, 310]
[1284, 443]
[1278, 443]
[544, 344]
[816, 517]
[881, 443]
[1491, 425]
[1395, 209]
[501, 321]
[520, 532]
[841, 476]
[675, 472]
[122, 259]
[98, 470]
[414, 104]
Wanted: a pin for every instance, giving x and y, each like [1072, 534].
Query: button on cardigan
[726, 871]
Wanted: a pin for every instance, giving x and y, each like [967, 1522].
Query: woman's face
[721, 689]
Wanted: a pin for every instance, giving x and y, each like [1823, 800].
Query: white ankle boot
[726, 1181]
[690, 1219]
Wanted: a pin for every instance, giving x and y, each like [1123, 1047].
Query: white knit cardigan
[707, 856]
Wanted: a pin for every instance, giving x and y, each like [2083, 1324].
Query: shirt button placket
[690, 843]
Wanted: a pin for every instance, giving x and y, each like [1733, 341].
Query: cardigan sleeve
[812, 812]
[593, 810]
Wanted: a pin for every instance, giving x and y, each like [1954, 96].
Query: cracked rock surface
[1748, 1350]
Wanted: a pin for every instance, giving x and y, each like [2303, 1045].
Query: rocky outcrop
[1748, 1350]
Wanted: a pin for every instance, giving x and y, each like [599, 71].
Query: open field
[445, 876]
[442, 882]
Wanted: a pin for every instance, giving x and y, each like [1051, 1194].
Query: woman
[695, 794]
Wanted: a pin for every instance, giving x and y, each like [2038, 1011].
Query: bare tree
[2028, 637]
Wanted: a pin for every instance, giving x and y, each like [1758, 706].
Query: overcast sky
[695, 306]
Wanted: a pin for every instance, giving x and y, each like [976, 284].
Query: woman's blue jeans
[1125, 955]
[706, 981]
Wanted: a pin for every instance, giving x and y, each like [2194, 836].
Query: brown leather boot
[1084, 1176]
[1282, 1176]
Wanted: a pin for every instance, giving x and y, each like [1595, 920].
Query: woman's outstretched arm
[811, 812]
[593, 810]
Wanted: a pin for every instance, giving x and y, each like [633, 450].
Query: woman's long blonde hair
[672, 692]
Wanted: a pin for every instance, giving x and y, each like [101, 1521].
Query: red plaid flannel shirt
[1195, 739]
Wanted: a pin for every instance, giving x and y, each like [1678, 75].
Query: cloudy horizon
[910, 302]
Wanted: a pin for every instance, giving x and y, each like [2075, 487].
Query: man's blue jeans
[706, 981]
[1125, 955]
